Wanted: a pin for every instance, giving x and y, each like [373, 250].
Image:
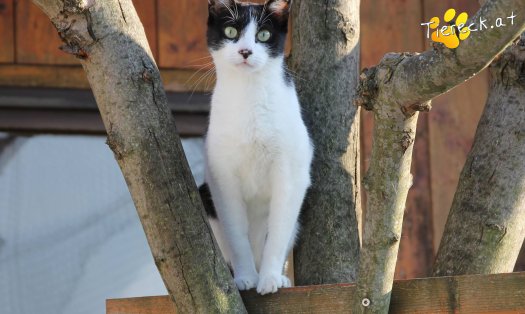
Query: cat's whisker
[198, 59]
[262, 13]
[209, 72]
[228, 8]
[236, 11]
[294, 75]
[197, 72]
[203, 65]
[209, 81]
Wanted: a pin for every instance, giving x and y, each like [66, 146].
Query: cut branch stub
[380, 75]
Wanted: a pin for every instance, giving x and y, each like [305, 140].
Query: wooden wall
[29, 56]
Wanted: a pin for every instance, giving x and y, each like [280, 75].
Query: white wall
[69, 234]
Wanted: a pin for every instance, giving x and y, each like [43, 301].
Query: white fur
[259, 155]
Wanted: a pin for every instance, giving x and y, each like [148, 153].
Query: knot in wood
[75, 31]
[77, 6]
[366, 89]
[407, 141]
[410, 110]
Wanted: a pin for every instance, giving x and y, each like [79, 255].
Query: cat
[258, 151]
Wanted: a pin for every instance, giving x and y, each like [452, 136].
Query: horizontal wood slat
[502, 293]
[75, 77]
[7, 33]
[37, 41]
[75, 111]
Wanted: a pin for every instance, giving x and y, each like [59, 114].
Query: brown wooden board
[147, 11]
[7, 34]
[37, 41]
[393, 26]
[75, 77]
[452, 125]
[75, 111]
[182, 33]
[502, 293]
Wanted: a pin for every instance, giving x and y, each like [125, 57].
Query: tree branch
[396, 89]
[486, 225]
[421, 77]
[141, 132]
[328, 245]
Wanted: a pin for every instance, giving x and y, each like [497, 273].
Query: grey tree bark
[109, 39]
[486, 224]
[325, 59]
[395, 90]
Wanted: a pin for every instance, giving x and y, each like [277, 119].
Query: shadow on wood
[501, 293]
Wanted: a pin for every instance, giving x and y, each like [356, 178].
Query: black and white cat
[257, 148]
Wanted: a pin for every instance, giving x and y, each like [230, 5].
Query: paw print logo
[450, 35]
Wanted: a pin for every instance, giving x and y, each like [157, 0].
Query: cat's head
[247, 36]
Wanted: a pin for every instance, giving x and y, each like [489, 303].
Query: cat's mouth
[245, 64]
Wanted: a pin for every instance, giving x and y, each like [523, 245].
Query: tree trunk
[109, 39]
[486, 225]
[325, 59]
[395, 90]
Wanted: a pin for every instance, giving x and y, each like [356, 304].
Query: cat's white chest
[253, 145]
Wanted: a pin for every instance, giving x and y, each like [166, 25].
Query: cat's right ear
[215, 6]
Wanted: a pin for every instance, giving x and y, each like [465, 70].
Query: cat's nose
[245, 53]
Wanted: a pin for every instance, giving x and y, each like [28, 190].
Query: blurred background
[69, 234]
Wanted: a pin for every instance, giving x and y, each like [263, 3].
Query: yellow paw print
[449, 35]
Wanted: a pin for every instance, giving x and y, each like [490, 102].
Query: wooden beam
[66, 111]
[18, 75]
[7, 34]
[502, 293]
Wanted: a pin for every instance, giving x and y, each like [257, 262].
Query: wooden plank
[502, 293]
[7, 35]
[74, 99]
[37, 41]
[75, 77]
[182, 33]
[75, 111]
[380, 33]
[42, 48]
[39, 121]
[147, 11]
[452, 125]
[43, 76]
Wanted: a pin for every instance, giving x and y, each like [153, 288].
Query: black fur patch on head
[272, 16]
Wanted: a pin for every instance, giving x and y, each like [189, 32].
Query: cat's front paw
[271, 282]
[246, 282]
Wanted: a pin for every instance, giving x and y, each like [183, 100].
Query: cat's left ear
[279, 7]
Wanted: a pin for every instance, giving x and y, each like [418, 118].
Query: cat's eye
[264, 35]
[230, 32]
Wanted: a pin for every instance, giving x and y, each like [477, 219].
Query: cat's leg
[258, 219]
[232, 214]
[287, 196]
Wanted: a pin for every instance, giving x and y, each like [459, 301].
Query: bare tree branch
[325, 59]
[486, 225]
[421, 77]
[109, 39]
[395, 90]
